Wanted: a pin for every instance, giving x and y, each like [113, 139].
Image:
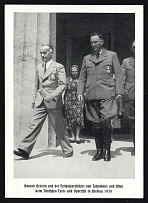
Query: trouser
[100, 113]
[132, 128]
[129, 114]
[57, 120]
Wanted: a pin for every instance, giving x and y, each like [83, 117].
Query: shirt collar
[48, 63]
[100, 52]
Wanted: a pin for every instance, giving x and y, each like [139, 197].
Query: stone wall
[31, 30]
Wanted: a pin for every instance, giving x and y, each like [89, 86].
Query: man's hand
[118, 96]
[33, 105]
[119, 101]
[80, 98]
[49, 99]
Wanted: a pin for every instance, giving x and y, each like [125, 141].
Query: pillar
[31, 31]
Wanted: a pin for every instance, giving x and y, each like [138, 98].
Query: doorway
[73, 37]
[80, 47]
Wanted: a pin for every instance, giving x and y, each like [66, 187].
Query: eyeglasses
[74, 66]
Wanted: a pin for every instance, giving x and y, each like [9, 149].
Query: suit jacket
[53, 83]
[97, 76]
[128, 68]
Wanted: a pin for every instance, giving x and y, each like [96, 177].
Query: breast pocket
[89, 69]
[89, 66]
[128, 69]
[126, 89]
[108, 68]
[52, 77]
[127, 86]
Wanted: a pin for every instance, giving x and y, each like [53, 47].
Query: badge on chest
[52, 76]
[108, 69]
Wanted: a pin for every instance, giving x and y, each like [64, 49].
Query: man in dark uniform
[97, 77]
[50, 82]
[128, 67]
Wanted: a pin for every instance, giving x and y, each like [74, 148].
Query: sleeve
[82, 79]
[61, 75]
[65, 92]
[123, 66]
[36, 87]
[118, 75]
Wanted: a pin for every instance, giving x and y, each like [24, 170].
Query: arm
[123, 66]
[82, 81]
[118, 76]
[64, 94]
[119, 85]
[35, 87]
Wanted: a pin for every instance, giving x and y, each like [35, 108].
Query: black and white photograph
[74, 98]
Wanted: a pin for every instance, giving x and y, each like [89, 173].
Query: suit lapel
[49, 70]
[93, 58]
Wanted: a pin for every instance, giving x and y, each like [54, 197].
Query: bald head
[47, 47]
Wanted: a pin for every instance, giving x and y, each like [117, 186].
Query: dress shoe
[107, 155]
[78, 141]
[98, 156]
[133, 153]
[21, 153]
[72, 141]
[68, 155]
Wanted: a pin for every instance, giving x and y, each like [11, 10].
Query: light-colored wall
[31, 30]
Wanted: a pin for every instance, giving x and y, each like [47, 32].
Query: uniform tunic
[128, 68]
[73, 108]
[97, 78]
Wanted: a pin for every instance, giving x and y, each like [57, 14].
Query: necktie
[44, 68]
[97, 55]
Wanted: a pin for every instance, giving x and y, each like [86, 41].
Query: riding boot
[107, 154]
[107, 143]
[133, 137]
[99, 144]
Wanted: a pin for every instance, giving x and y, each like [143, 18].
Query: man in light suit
[97, 78]
[50, 83]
